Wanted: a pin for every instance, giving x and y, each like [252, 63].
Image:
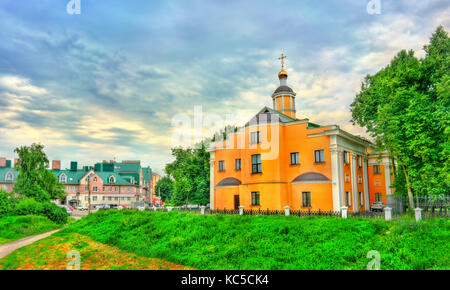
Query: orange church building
[277, 160]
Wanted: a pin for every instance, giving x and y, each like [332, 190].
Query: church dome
[282, 74]
[283, 89]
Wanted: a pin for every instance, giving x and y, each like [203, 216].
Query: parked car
[140, 207]
[102, 206]
[82, 208]
[121, 206]
[377, 206]
[67, 208]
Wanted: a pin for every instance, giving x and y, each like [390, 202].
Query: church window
[255, 198]
[256, 163]
[255, 137]
[238, 164]
[295, 158]
[306, 199]
[221, 165]
[319, 156]
[376, 169]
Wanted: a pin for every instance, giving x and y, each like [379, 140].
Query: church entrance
[236, 202]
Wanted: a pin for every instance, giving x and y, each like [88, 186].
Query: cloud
[20, 85]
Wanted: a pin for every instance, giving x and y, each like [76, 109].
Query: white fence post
[418, 213]
[169, 208]
[344, 212]
[202, 209]
[241, 210]
[287, 210]
[388, 213]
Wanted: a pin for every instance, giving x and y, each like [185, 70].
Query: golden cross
[282, 57]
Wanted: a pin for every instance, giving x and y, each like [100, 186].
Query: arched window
[63, 178]
[112, 179]
[9, 176]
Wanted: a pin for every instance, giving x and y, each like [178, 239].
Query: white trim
[366, 184]
[312, 182]
[227, 186]
[354, 182]
[211, 179]
[12, 176]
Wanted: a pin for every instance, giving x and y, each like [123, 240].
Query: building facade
[112, 183]
[277, 160]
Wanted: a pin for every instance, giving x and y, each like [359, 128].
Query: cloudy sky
[112, 81]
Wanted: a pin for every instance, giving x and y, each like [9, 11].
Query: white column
[418, 214]
[211, 180]
[241, 210]
[202, 209]
[354, 183]
[287, 210]
[344, 212]
[387, 178]
[366, 185]
[337, 176]
[282, 104]
[388, 213]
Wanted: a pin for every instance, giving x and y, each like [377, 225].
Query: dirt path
[8, 248]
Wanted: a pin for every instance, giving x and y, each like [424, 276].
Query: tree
[34, 180]
[164, 188]
[404, 107]
[190, 173]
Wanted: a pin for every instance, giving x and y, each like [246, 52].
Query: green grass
[51, 254]
[271, 242]
[17, 227]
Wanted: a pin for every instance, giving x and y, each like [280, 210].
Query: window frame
[237, 162]
[359, 157]
[296, 158]
[346, 159]
[221, 165]
[255, 198]
[348, 199]
[378, 171]
[258, 137]
[306, 199]
[321, 156]
[380, 195]
[257, 164]
[361, 198]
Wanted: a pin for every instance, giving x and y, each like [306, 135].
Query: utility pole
[89, 194]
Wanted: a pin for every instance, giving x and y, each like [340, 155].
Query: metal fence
[429, 204]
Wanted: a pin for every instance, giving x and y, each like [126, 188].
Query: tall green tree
[190, 172]
[164, 188]
[34, 179]
[405, 108]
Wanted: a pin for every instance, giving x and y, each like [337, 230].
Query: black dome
[283, 89]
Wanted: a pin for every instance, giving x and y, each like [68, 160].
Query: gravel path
[8, 248]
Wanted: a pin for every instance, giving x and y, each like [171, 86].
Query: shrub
[7, 204]
[29, 206]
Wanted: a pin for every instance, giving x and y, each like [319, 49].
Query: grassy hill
[271, 242]
[17, 227]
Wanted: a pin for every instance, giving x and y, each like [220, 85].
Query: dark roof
[230, 181]
[311, 176]
[267, 115]
[283, 89]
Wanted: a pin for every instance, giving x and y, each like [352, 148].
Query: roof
[230, 181]
[4, 171]
[268, 115]
[73, 177]
[281, 89]
[311, 176]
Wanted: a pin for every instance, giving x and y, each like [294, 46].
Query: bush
[29, 206]
[7, 204]
[16, 227]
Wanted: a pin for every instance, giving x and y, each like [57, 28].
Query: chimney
[104, 161]
[2, 162]
[15, 162]
[112, 161]
[56, 164]
[73, 166]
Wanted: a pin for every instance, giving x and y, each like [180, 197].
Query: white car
[140, 208]
[82, 208]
